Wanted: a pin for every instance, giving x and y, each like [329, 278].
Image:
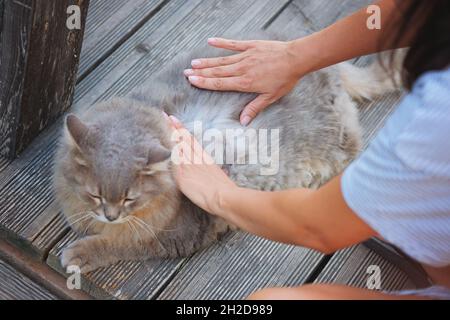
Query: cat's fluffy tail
[372, 81]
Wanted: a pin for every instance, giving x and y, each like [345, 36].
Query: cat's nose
[111, 213]
[110, 218]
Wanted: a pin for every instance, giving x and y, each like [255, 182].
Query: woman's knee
[306, 292]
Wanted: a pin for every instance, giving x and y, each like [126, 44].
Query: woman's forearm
[346, 39]
[317, 219]
[265, 214]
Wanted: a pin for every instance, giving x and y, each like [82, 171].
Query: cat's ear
[77, 131]
[157, 159]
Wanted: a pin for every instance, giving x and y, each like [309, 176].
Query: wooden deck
[126, 42]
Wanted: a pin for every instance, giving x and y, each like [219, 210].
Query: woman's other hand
[269, 68]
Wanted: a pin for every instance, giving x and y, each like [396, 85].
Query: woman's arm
[318, 219]
[272, 68]
[350, 38]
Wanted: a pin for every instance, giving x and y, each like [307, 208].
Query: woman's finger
[221, 84]
[179, 137]
[232, 70]
[175, 122]
[216, 62]
[229, 44]
[191, 152]
[253, 108]
[194, 152]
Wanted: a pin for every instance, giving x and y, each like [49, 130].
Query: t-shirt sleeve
[400, 185]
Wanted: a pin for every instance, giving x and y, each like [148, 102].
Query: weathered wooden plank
[416, 274]
[351, 267]
[25, 205]
[120, 281]
[374, 114]
[4, 163]
[321, 14]
[12, 61]
[39, 272]
[109, 24]
[16, 286]
[125, 280]
[39, 60]
[292, 22]
[240, 266]
[141, 56]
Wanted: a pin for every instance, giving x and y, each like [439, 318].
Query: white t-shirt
[400, 185]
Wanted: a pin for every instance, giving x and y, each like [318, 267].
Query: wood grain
[350, 267]
[39, 63]
[16, 286]
[240, 266]
[109, 24]
[321, 14]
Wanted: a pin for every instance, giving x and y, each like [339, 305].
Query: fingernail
[174, 120]
[196, 63]
[188, 72]
[245, 120]
[193, 78]
[212, 40]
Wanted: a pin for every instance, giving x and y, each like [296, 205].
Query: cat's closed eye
[98, 199]
[128, 201]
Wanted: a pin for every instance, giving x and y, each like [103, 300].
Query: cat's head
[114, 168]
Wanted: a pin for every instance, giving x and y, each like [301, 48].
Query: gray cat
[113, 174]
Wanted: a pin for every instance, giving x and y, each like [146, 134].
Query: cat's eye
[97, 198]
[128, 201]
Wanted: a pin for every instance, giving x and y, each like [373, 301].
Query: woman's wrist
[226, 201]
[306, 55]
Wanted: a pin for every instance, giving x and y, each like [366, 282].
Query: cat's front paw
[82, 254]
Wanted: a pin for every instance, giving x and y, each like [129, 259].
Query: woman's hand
[198, 177]
[269, 68]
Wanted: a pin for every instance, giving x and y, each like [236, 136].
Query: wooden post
[39, 58]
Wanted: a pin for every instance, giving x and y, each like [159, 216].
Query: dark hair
[425, 24]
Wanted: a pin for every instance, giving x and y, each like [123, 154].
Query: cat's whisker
[89, 225]
[81, 213]
[129, 221]
[155, 228]
[129, 226]
[140, 221]
[141, 226]
[136, 231]
[149, 229]
[85, 217]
